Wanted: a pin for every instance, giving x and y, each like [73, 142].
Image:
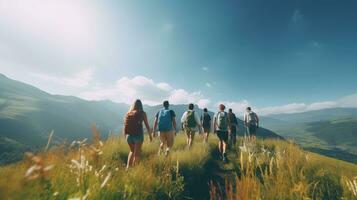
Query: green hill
[330, 132]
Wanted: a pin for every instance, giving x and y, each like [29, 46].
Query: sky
[277, 56]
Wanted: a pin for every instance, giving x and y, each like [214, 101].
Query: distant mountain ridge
[28, 114]
[330, 132]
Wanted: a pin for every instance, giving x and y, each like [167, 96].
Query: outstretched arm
[147, 126]
[155, 126]
[174, 123]
[214, 125]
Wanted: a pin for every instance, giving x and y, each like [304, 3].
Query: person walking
[222, 126]
[190, 122]
[234, 127]
[206, 124]
[165, 121]
[251, 122]
[134, 133]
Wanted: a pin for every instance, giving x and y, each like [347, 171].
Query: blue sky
[277, 56]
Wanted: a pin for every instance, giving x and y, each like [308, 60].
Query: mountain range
[331, 132]
[28, 115]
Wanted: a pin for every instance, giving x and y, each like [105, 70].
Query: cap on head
[205, 110]
[230, 110]
[166, 104]
[249, 108]
[222, 107]
[190, 106]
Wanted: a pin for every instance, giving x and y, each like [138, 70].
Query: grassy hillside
[335, 138]
[268, 169]
[316, 115]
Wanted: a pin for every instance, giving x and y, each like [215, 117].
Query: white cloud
[348, 101]
[240, 106]
[205, 69]
[297, 16]
[126, 90]
[237, 106]
[79, 80]
[296, 107]
[208, 84]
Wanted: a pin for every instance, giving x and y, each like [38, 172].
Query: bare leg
[206, 137]
[170, 141]
[187, 138]
[130, 156]
[224, 146]
[163, 141]
[137, 153]
[191, 136]
[220, 146]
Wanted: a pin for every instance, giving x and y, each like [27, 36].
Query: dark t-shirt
[206, 120]
[232, 119]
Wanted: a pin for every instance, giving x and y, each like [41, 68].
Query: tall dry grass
[273, 169]
[96, 170]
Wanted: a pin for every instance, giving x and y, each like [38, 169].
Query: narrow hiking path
[214, 173]
[222, 173]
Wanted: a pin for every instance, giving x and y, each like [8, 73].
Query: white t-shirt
[247, 116]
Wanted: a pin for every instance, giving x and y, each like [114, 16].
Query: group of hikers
[225, 125]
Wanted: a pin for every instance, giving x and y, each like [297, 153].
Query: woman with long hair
[134, 132]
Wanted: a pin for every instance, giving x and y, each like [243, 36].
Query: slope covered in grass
[334, 138]
[266, 169]
[273, 169]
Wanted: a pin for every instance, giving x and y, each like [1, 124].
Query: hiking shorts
[190, 131]
[222, 135]
[252, 129]
[167, 137]
[135, 138]
[206, 129]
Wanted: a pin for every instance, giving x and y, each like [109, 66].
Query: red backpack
[133, 122]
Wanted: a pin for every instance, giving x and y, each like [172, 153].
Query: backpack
[165, 120]
[133, 123]
[252, 118]
[190, 120]
[206, 121]
[233, 119]
[222, 121]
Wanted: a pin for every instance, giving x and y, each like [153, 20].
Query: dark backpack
[133, 123]
[222, 121]
[190, 120]
[206, 120]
